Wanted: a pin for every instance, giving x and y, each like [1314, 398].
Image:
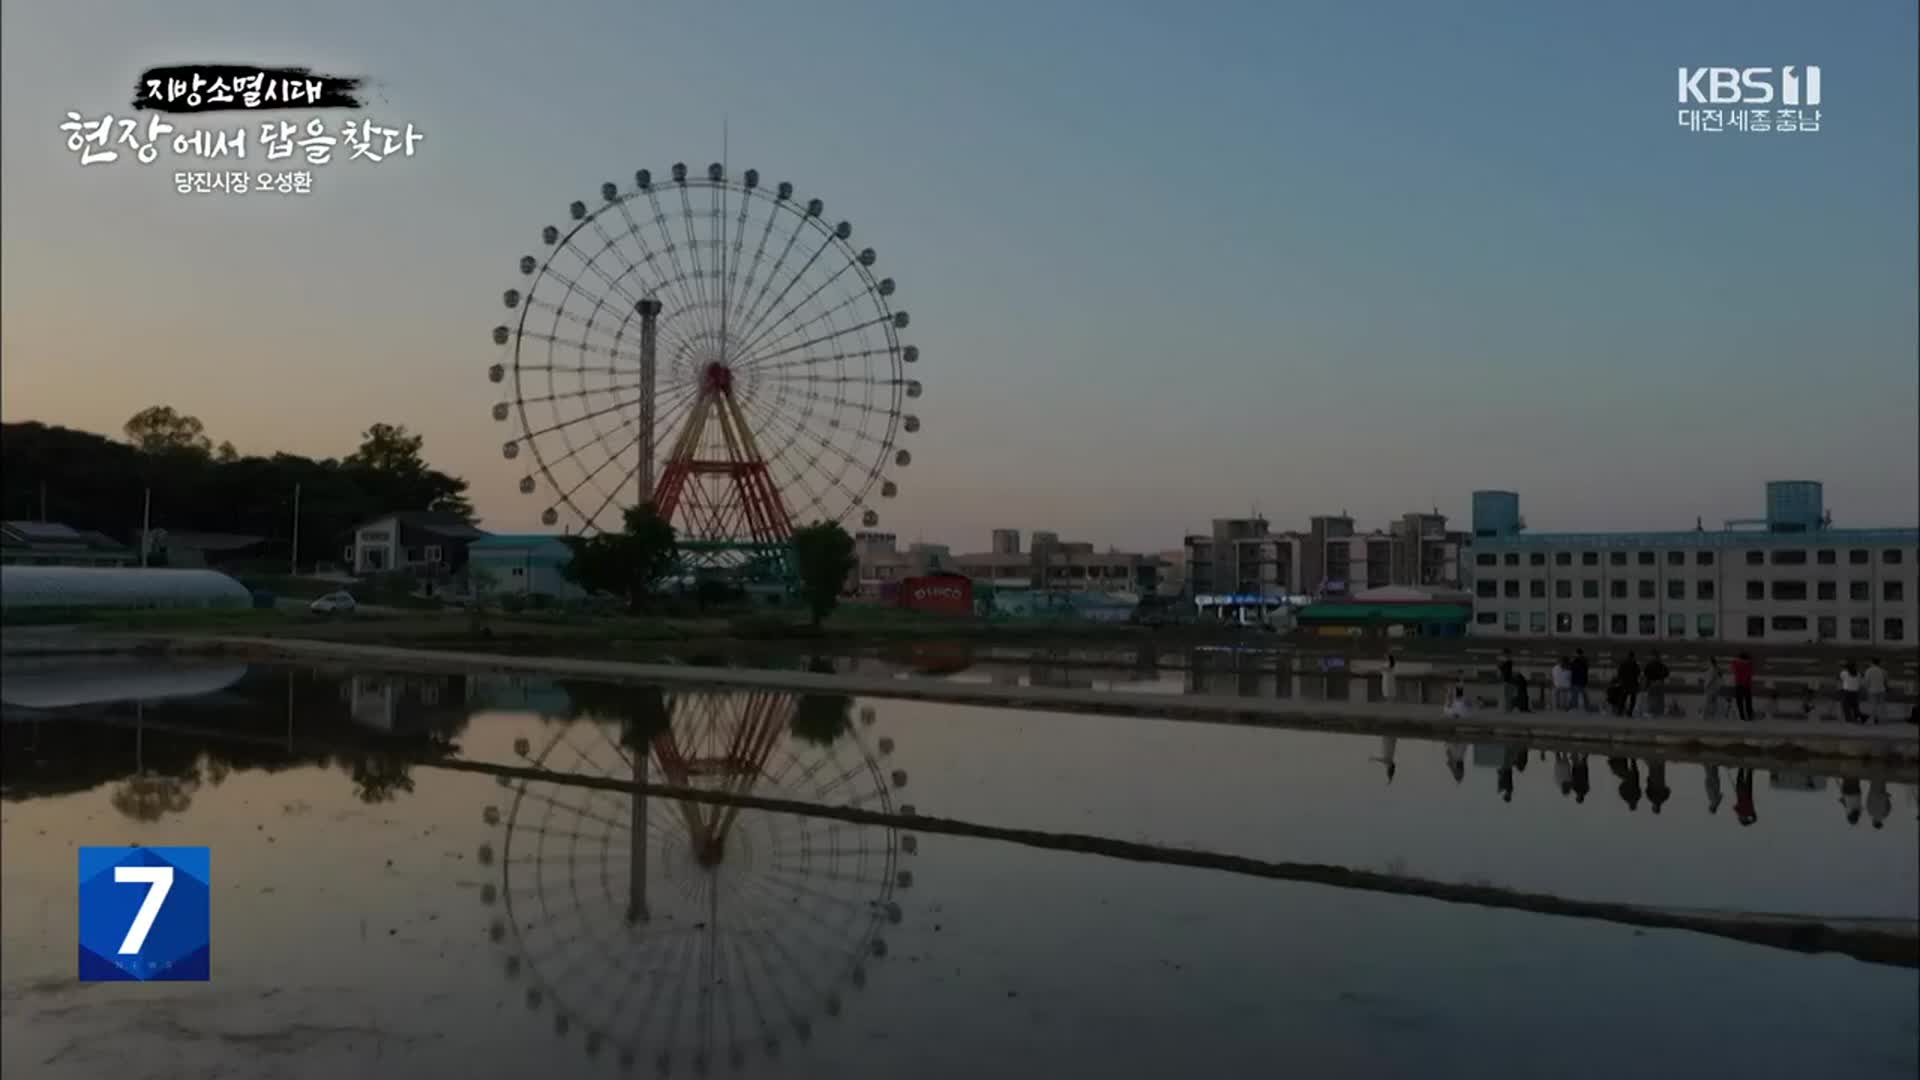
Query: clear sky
[1165, 261]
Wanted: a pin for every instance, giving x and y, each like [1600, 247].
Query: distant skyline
[1164, 264]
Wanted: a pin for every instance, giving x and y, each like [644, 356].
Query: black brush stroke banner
[199, 88]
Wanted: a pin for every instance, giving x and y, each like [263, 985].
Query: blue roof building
[523, 564]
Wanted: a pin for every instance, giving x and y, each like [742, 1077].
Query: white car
[333, 603]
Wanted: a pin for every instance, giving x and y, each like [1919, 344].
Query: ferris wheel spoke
[768, 341]
[731, 288]
[752, 327]
[675, 282]
[574, 395]
[582, 418]
[567, 496]
[761, 372]
[779, 263]
[824, 338]
[798, 429]
[765, 334]
[760, 249]
[672, 249]
[693, 255]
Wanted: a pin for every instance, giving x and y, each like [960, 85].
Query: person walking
[1742, 670]
[1562, 684]
[1577, 677]
[1710, 690]
[1656, 703]
[1506, 680]
[1389, 681]
[1876, 686]
[1629, 679]
[1850, 693]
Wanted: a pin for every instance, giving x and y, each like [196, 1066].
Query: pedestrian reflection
[1628, 771]
[1389, 744]
[1582, 781]
[1850, 799]
[1563, 773]
[1879, 803]
[1657, 790]
[1743, 807]
[1457, 760]
[1510, 757]
[1713, 789]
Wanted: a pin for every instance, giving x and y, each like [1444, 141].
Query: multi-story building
[1054, 565]
[880, 564]
[1788, 578]
[1331, 558]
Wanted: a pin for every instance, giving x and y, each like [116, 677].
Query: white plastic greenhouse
[118, 587]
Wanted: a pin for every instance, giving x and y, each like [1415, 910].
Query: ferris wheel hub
[717, 378]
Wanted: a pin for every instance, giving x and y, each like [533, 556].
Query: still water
[378, 914]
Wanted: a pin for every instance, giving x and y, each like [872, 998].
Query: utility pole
[649, 317]
[294, 562]
[146, 526]
[43, 502]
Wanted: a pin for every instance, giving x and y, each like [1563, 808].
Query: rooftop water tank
[1496, 513]
[1795, 505]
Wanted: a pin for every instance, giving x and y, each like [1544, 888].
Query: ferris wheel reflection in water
[691, 934]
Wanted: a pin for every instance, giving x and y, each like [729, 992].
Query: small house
[529, 564]
[424, 542]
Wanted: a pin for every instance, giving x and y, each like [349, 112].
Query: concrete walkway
[1895, 744]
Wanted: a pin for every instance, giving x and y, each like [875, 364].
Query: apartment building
[1788, 578]
[1242, 556]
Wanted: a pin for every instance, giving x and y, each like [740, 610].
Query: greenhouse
[117, 587]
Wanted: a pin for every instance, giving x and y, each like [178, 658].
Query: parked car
[334, 603]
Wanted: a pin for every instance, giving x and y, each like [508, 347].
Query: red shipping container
[948, 594]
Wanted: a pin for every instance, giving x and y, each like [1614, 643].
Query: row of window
[1754, 557]
[1825, 627]
[1891, 592]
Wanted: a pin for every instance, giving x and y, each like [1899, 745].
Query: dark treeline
[91, 481]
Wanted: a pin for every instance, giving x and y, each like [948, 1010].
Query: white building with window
[1787, 579]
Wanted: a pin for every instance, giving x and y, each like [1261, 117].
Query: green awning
[1385, 614]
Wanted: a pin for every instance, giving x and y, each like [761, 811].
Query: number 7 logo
[161, 932]
[159, 880]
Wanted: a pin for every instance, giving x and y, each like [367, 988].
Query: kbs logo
[145, 914]
[1791, 85]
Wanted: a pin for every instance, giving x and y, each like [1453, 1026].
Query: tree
[823, 554]
[389, 448]
[226, 454]
[389, 462]
[821, 718]
[629, 563]
[158, 429]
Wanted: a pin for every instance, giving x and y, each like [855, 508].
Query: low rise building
[424, 542]
[47, 543]
[1788, 578]
[530, 565]
[1055, 565]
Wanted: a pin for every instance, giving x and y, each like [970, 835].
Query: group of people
[1636, 690]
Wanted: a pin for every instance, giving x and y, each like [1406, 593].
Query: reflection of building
[409, 704]
[1788, 578]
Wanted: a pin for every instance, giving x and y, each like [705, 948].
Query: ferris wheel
[681, 934]
[712, 344]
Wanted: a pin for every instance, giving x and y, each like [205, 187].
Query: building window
[1703, 590]
[1790, 590]
[1590, 558]
[1563, 558]
[1859, 629]
[1486, 588]
[1790, 624]
[1891, 556]
[1647, 588]
[1896, 630]
[1511, 587]
[1703, 626]
[1826, 590]
[1646, 558]
[1513, 558]
[519, 571]
[1486, 558]
[1513, 622]
[1616, 558]
[1487, 618]
[1824, 557]
[433, 553]
[1826, 628]
[1563, 589]
[1537, 589]
[1703, 558]
[1756, 558]
[1893, 591]
[1538, 558]
[1590, 588]
[1617, 625]
[1676, 625]
[1676, 589]
[1649, 626]
[1562, 623]
[1537, 621]
[1859, 591]
[1756, 626]
[1590, 623]
[1857, 557]
[1676, 558]
[346, 556]
[1790, 557]
[1618, 588]
[1756, 590]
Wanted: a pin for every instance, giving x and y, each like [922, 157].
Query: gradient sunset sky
[1165, 261]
